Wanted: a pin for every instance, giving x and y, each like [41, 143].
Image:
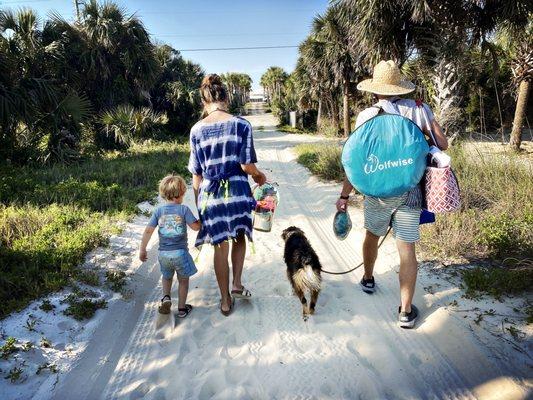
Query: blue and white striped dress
[225, 201]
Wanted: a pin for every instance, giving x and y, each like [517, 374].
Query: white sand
[67, 338]
[350, 349]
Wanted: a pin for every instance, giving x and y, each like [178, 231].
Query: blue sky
[193, 24]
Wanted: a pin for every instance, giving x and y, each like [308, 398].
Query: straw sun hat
[387, 81]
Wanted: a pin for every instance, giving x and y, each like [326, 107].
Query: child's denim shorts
[176, 261]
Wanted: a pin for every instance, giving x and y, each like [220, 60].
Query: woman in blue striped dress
[222, 156]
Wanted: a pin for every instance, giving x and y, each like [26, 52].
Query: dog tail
[307, 278]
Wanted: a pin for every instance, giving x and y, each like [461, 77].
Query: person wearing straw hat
[402, 212]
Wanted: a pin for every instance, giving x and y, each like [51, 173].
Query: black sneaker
[407, 320]
[368, 285]
[166, 303]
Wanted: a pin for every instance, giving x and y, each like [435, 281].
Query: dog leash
[362, 262]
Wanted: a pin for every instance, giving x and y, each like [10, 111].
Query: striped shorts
[382, 212]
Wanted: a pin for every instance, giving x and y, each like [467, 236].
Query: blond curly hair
[172, 187]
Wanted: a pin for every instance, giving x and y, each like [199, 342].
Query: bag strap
[424, 115]
[381, 110]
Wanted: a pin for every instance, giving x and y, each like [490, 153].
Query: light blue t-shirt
[172, 220]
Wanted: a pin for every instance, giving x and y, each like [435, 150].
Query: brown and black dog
[303, 267]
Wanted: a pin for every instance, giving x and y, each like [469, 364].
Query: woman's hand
[259, 178]
[342, 205]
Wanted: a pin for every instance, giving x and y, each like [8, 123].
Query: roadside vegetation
[323, 160]
[92, 115]
[496, 217]
[51, 216]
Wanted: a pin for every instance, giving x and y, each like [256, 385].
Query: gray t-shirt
[172, 220]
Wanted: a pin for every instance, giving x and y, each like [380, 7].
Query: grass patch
[496, 217]
[116, 279]
[14, 374]
[50, 217]
[87, 276]
[81, 309]
[290, 129]
[497, 281]
[47, 306]
[323, 160]
[9, 347]
[113, 182]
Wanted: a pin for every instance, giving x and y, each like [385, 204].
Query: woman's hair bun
[212, 80]
[213, 89]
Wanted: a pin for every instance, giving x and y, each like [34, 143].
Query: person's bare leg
[408, 271]
[238, 253]
[222, 273]
[370, 253]
[183, 290]
[167, 286]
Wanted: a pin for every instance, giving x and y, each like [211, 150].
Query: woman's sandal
[183, 312]
[241, 293]
[226, 313]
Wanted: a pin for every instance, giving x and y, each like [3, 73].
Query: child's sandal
[183, 312]
[166, 303]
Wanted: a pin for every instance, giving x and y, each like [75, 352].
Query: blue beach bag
[385, 156]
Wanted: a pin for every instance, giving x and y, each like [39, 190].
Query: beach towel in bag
[385, 156]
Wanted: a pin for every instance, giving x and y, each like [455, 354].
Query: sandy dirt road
[351, 348]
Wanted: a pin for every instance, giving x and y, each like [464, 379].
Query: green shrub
[113, 182]
[89, 277]
[47, 306]
[504, 234]
[290, 129]
[497, 281]
[51, 367]
[328, 129]
[15, 374]
[323, 160]
[116, 279]
[40, 260]
[9, 347]
[125, 124]
[81, 309]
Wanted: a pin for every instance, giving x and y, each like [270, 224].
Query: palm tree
[33, 102]
[340, 55]
[397, 29]
[522, 68]
[318, 81]
[239, 86]
[176, 90]
[272, 81]
[110, 52]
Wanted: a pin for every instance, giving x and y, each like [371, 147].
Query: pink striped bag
[442, 192]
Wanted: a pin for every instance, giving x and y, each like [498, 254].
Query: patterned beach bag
[441, 187]
[442, 190]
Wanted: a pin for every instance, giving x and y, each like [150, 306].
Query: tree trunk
[319, 113]
[520, 112]
[346, 109]
[335, 112]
